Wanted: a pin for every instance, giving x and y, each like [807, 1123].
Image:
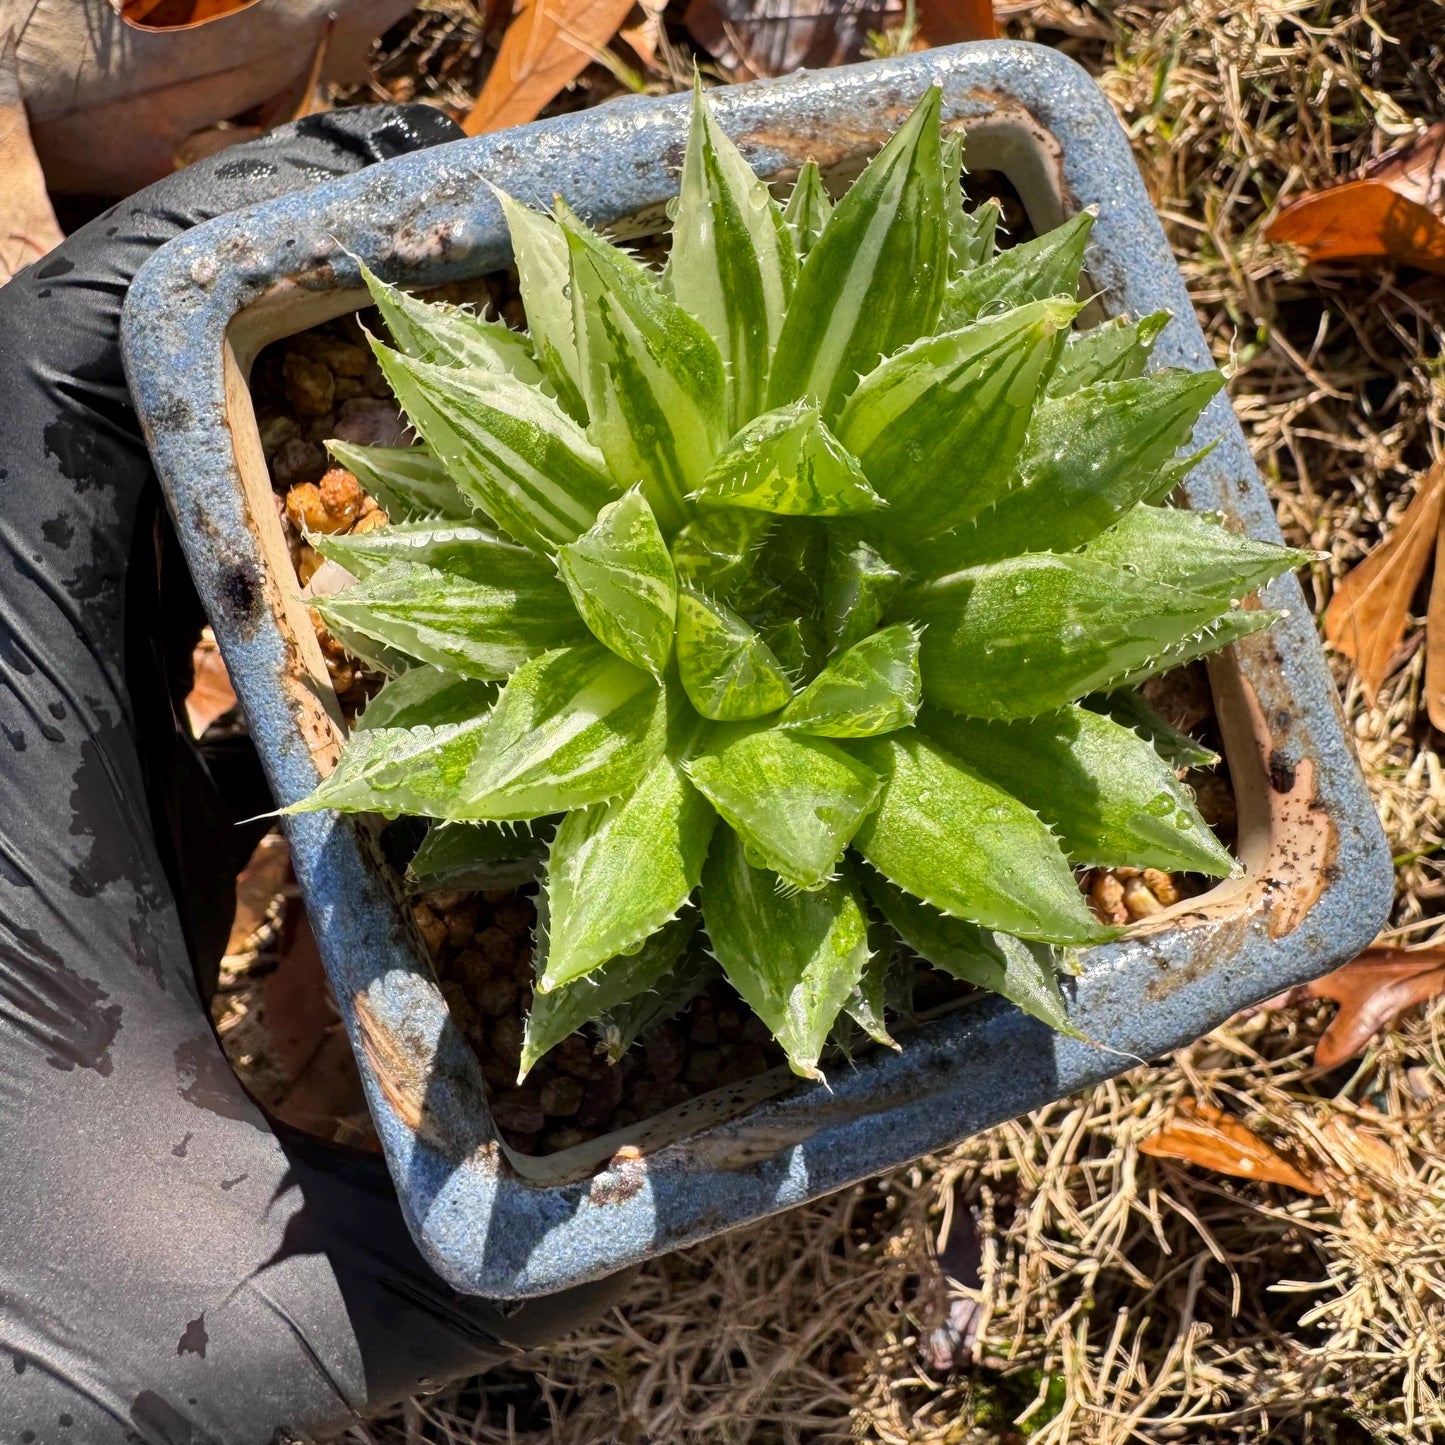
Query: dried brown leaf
[175, 14]
[1367, 616]
[548, 44]
[1395, 211]
[211, 695]
[1435, 637]
[1372, 993]
[264, 878]
[28, 228]
[1201, 1134]
[109, 102]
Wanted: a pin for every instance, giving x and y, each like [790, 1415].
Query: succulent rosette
[783, 605]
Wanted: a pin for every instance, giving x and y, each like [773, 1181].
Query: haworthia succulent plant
[782, 609]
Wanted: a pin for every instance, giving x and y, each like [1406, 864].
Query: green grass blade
[529, 465]
[794, 957]
[618, 871]
[1090, 457]
[795, 801]
[872, 688]
[1115, 350]
[1021, 972]
[808, 209]
[938, 428]
[1017, 638]
[947, 835]
[874, 280]
[1109, 797]
[1049, 265]
[471, 628]
[449, 335]
[571, 728]
[788, 463]
[732, 262]
[409, 482]
[623, 582]
[611, 986]
[728, 672]
[652, 377]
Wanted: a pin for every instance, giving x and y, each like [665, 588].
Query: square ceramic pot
[1316, 881]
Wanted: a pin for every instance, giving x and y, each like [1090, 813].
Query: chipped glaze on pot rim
[1317, 879]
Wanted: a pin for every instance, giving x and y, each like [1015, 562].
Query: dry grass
[1103, 1297]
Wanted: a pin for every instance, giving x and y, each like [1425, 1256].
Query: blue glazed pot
[1317, 880]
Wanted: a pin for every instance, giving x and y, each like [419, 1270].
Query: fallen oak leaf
[1395, 211]
[547, 46]
[259, 884]
[1368, 614]
[1372, 992]
[1202, 1134]
[175, 14]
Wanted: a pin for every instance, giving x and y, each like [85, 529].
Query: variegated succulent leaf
[818, 566]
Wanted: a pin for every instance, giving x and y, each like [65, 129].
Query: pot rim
[1317, 880]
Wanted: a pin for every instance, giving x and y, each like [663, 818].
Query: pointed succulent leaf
[618, 871]
[947, 835]
[627, 1021]
[409, 482]
[539, 250]
[789, 570]
[1091, 455]
[652, 377]
[378, 656]
[727, 670]
[471, 628]
[1193, 550]
[571, 728]
[798, 644]
[794, 957]
[858, 585]
[392, 771]
[481, 855]
[1023, 973]
[1109, 797]
[1017, 638]
[718, 548]
[1232, 627]
[868, 1003]
[938, 428]
[1115, 350]
[1130, 709]
[795, 801]
[507, 444]
[1048, 266]
[960, 228]
[426, 695]
[808, 209]
[623, 583]
[787, 462]
[874, 280]
[450, 335]
[562, 1011]
[979, 236]
[732, 262]
[872, 688]
[460, 548]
